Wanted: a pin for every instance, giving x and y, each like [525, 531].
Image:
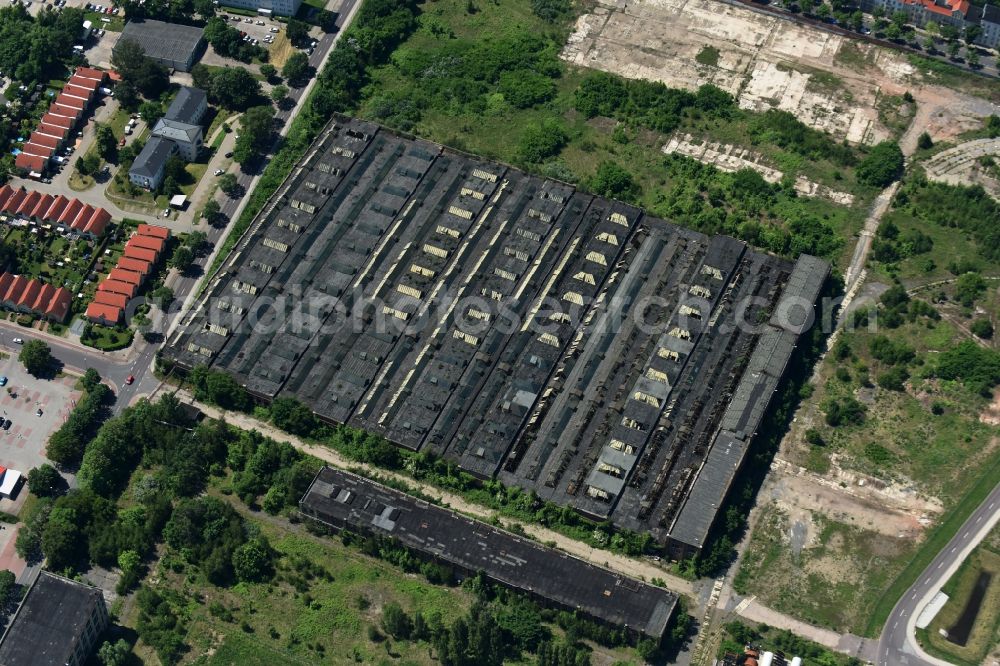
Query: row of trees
[67, 444]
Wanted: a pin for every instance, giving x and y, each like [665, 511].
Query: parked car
[7, 423]
[122, 142]
[38, 412]
[219, 172]
[18, 341]
[229, 154]
[248, 20]
[3, 380]
[274, 29]
[260, 23]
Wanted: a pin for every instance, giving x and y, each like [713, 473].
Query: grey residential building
[279, 7]
[170, 44]
[58, 622]
[179, 132]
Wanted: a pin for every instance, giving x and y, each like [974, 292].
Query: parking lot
[22, 446]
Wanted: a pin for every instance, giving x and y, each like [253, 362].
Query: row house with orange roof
[30, 296]
[63, 115]
[142, 251]
[68, 215]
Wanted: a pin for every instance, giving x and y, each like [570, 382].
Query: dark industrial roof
[49, 621]
[152, 157]
[186, 105]
[163, 41]
[634, 341]
[343, 499]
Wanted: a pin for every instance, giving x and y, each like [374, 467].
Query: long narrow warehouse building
[343, 500]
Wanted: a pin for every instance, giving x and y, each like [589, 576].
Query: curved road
[897, 645]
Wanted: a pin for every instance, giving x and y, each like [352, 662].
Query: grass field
[280, 50]
[986, 631]
[302, 619]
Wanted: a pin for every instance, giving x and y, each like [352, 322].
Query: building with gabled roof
[118, 287]
[140, 253]
[34, 297]
[170, 44]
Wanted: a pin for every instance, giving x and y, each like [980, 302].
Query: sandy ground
[848, 497]
[767, 63]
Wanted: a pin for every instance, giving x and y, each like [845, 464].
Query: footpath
[629, 566]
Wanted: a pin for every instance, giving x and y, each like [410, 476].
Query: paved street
[897, 646]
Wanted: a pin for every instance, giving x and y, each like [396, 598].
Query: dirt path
[623, 564]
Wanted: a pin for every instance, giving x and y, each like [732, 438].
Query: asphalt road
[897, 646]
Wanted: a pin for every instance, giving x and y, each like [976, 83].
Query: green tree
[327, 20]
[550, 10]
[972, 57]
[252, 561]
[201, 75]
[255, 133]
[127, 95]
[614, 182]
[149, 77]
[8, 583]
[396, 622]
[524, 88]
[924, 141]
[954, 48]
[982, 328]
[44, 481]
[968, 288]
[235, 88]
[62, 539]
[182, 258]
[212, 212]
[36, 356]
[268, 71]
[228, 184]
[296, 69]
[129, 562]
[90, 379]
[881, 166]
[279, 93]
[542, 140]
[104, 139]
[114, 654]
[196, 240]
[297, 31]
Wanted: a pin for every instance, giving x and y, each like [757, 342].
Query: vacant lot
[850, 89]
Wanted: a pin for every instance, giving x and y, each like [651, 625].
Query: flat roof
[49, 621]
[341, 498]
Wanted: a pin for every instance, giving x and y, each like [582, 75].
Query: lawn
[986, 557]
[304, 618]
[107, 339]
[116, 24]
[280, 50]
